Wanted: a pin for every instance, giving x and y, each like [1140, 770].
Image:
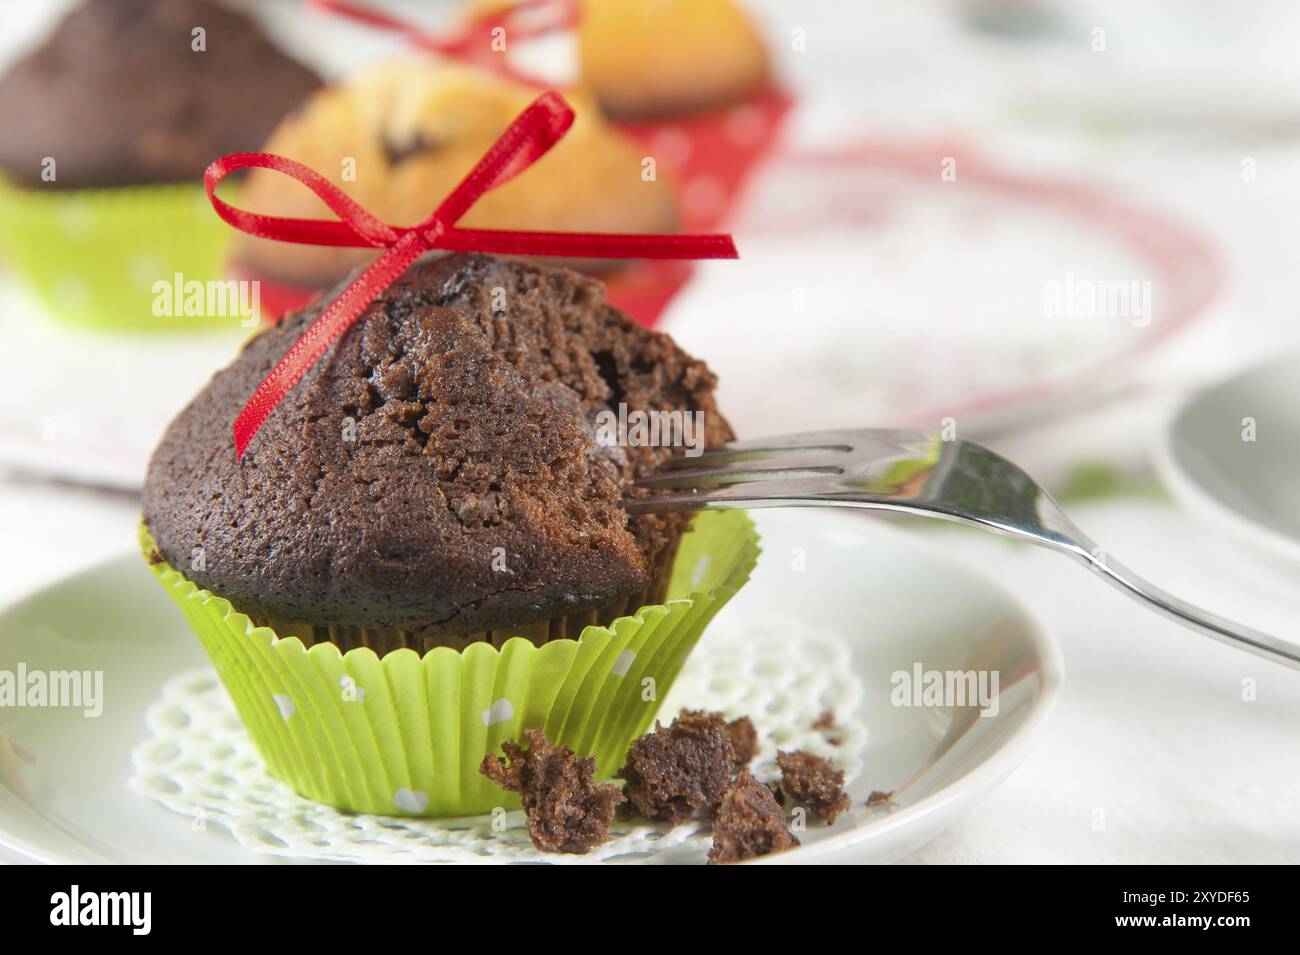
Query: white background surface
[1152, 754]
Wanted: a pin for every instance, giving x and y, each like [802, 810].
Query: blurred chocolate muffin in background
[127, 92]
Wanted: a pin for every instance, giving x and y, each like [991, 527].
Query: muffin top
[400, 135]
[656, 58]
[652, 59]
[121, 93]
[439, 470]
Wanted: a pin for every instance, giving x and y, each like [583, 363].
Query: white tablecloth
[1152, 754]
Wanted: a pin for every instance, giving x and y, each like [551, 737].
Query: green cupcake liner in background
[92, 256]
[405, 734]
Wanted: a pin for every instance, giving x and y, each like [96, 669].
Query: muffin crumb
[749, 823]
[566, 810]
[826, 725]
[879, 797]
[741, 732]
[813, 782]
[744, 739]
[673, 771]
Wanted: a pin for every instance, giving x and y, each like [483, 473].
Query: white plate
[877, 292]
[895, 599]
[1247, 487]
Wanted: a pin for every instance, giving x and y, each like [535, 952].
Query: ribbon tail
[593, 245]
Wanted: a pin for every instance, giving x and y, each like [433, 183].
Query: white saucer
[1247, 487]
[895, 600]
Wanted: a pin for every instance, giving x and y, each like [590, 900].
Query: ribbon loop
[527, 139]
[355, 222]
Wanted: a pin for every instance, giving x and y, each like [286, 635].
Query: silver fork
[916, 473]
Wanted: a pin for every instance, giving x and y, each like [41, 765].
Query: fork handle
[1057, 532]
[1189, 615]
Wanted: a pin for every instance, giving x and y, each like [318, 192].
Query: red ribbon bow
[527, 139]
[474, 41]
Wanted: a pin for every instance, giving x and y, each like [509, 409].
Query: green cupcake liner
[405, 734]
[93, 256]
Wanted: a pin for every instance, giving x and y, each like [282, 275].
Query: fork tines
[799, 456]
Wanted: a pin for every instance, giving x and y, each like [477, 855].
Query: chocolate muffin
[439, 476]
[126, 92]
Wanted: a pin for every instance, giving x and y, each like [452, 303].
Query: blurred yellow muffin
[398, 137]
[652, 58]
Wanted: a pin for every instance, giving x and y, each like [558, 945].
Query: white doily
[199, 761]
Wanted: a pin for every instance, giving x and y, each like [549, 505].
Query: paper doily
[200, 762]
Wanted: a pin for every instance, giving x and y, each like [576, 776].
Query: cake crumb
[879, 797]
[826, 725]
[566, 810]
[744, 739]
[741, 732]
[673, 771]
[749, 823]
[813, 782]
